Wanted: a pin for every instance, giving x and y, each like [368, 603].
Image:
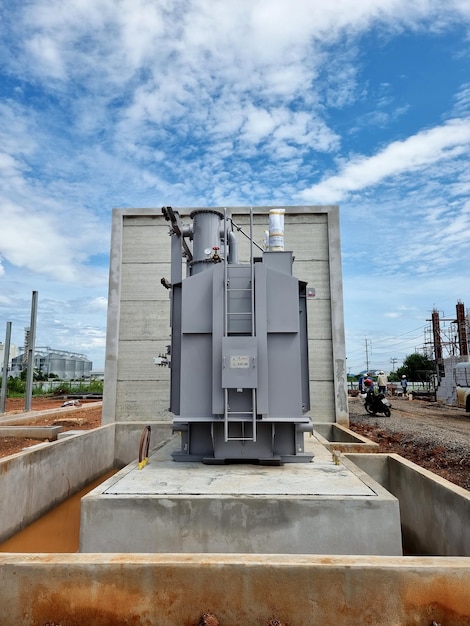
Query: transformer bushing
[239, 387]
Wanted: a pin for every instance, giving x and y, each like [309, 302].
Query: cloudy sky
[144, 103]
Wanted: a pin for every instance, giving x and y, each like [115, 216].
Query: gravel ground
[430, 434]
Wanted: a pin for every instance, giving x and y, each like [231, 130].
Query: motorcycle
[374, 404]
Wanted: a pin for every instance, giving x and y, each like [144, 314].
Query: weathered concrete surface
[128, 435]
[322, 507]
[37, 479]
[338, 437]
[169, 589]
[34, 481]
[435, 513]
[32, 432]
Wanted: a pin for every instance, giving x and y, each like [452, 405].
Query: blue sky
[136, 103]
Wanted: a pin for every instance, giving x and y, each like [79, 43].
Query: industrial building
[63, 364]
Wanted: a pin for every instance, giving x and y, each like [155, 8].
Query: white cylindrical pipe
[276, 230]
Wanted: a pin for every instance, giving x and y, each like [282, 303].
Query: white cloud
[99, 304]
[34, 241]
[140, 103]
[427, 147]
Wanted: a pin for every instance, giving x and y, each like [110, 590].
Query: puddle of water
[56, 531]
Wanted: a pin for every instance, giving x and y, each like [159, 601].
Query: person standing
[404, 384]
[362, 378]
[382, 382]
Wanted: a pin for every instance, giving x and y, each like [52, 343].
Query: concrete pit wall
[36, 480]
[341, 439]
[168, 589]
[33, 482]
[165, 590]
[434, 513]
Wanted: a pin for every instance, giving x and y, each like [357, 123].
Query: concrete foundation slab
[323, 507]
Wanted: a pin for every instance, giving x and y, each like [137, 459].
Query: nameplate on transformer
[239, 362]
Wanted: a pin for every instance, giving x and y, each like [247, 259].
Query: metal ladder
[230, 415]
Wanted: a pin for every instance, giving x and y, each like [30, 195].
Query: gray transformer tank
[239, 349]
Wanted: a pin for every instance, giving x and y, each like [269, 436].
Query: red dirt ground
[76, 418]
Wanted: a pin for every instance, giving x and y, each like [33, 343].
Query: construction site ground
[72, 418]
[432, 435]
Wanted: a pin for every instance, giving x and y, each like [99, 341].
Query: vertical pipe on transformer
[206, 237]
[232, 247]
[252, 277]
[276, 230]
[225, 286]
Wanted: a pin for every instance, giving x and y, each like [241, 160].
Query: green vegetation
[417, 368]
[16, 387]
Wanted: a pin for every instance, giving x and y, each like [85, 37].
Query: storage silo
[69, 368]
[79, 367]
[57, 364]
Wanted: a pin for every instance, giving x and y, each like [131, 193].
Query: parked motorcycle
[377, 403]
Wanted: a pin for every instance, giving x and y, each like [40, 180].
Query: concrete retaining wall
[434, 513]
[33, 482]
[164, 590]
[338, 437]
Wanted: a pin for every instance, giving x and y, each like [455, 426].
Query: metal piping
[232, 247]
[276, 230]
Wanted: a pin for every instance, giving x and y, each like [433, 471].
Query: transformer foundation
[324, 507]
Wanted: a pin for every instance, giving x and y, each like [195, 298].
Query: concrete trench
[177, 588]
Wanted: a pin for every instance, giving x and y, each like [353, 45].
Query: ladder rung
[240, 439]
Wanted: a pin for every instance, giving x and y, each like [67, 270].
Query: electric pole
[393, 361]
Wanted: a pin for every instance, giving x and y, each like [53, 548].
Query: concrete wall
[164, 590]
[128, 436]
[337, 437]
[167, 589]
[138, 308]
[435, 514]
[33, 482]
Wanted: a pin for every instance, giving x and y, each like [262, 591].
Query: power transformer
[239, 387]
